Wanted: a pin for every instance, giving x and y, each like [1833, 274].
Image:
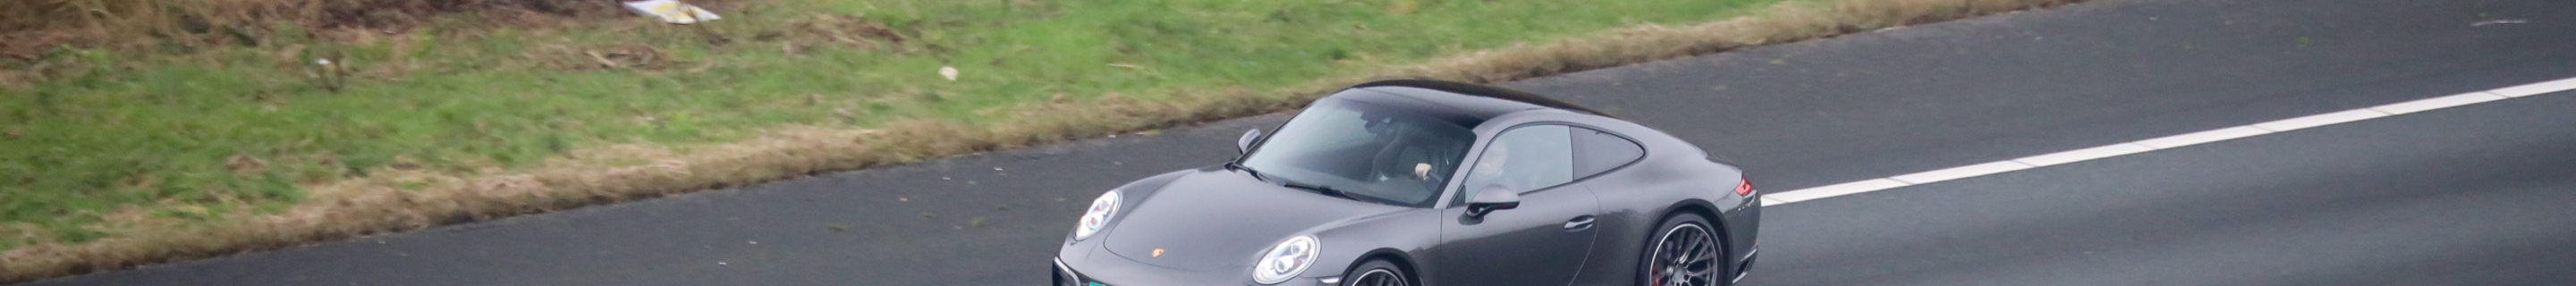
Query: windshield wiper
[1329, 191]
[1256, 175]
[1326, 190]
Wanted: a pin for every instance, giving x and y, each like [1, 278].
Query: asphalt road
[2476, 195]
[2471, 196]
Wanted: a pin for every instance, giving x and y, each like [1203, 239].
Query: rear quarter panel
[1672, 177]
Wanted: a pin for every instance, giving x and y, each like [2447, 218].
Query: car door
[1541, 242]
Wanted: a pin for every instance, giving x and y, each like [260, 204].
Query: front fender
[1132, 194]
[1402, 236]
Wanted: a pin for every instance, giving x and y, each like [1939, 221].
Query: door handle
[1579, 223]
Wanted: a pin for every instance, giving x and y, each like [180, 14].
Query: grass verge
[507, 127]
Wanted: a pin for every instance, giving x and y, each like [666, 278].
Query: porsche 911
[1417, 182]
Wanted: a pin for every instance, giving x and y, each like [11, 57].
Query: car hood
[1223, 219]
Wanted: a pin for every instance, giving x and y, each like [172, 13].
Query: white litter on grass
[671, 11]
[948, 72]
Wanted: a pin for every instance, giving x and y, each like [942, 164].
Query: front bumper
[1064, 276]
[1121, 272]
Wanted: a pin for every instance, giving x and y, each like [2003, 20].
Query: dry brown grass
[397, 200]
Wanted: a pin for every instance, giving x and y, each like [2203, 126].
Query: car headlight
[1098, 216]
[1286, 260]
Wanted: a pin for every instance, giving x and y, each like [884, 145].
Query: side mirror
[1496, 197]
[1244, 145]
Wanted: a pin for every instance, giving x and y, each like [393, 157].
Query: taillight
[1744, 187]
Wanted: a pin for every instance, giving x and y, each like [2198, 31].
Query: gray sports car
[1413, 182]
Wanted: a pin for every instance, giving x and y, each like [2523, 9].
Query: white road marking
[2079, 155]
[1800, 195]
[1960, 172]
[2438, 103]
[2536, 88]
[2167, 142]
[2320, 120]
[2195, 138]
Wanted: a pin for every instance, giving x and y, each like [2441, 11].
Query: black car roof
[1529, 100]
[1466, 105]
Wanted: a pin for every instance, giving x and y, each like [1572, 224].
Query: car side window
[1525, 159]
[1599, 151]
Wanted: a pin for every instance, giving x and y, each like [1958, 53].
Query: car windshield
[1363, 151]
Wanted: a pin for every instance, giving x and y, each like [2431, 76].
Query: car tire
[1656, 263]
[1378, 272]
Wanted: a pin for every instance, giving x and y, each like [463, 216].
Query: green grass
[109, 131]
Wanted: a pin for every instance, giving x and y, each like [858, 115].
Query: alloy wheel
[1685, 256]
[1379, 277]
